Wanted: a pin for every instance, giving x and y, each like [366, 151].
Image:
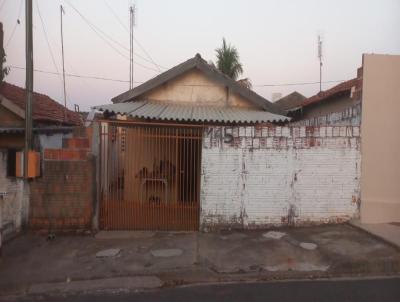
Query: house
[380, 139]
[340, 104]
[51, 124]
[47, 114]
[192, 149]
[290, 101]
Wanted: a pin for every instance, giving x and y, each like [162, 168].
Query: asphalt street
[385, 289]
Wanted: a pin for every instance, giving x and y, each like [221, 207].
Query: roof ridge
[211, 71]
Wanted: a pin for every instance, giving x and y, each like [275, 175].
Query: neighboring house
[380, 139]
[192, 149]
[51, 123]
[290, 101]
[46, 114]
[339, 105]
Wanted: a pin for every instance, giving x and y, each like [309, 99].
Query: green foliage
[245, 83]
[228, 60]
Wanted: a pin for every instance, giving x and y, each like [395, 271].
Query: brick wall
[254, 177]
[62, 199]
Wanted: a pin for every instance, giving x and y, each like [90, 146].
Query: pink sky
[277, 41]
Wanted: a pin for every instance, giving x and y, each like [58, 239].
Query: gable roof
[292, 100]
[340, 89]
[209, 71]
[44, 108]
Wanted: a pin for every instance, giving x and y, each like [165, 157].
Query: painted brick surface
[14, 195]
[285, 175]
[349, 117]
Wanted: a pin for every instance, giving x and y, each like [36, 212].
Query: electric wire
[190, 85]
[150, 59]
[100, 33]
[16, 24]
[47, 39]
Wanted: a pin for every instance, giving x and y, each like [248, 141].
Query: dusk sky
[276, 40]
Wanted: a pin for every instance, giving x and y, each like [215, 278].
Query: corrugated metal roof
[11, 130]
[55, 129]
[191, 113]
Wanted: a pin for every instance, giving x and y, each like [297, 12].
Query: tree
[228, 63]
[3, 70]
[245, 83]
[228, 60]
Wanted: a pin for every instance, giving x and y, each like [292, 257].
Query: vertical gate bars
[150, 176]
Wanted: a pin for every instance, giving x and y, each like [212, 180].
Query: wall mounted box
[33, 164]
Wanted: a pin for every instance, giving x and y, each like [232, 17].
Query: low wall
[261, 176]
[14, 200]
[62, 198]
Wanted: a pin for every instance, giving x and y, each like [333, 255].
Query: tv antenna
[62, 13]
[132, 11]
[320, 61]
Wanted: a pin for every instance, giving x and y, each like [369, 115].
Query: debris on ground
[108, 253]
[274, 235]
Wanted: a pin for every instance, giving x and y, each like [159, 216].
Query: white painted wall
[255, 180]
[14, 200]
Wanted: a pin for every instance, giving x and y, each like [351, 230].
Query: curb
[121, 283]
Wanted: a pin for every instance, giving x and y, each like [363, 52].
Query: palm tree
[228, 60]
[245, 83]
[3, 70]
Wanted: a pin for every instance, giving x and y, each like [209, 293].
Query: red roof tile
[335, 90]
[45, 109]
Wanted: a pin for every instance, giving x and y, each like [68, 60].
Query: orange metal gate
[150, 176]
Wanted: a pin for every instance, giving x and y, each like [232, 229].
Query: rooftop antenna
[320, 61]
[62, 12]
[132, 10]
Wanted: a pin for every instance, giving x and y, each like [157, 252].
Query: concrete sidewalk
[31, 261]
[389, 232]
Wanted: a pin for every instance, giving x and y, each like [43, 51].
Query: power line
[74, 75]
[102, 35]
[16, 24]
[46, 38]
[297, 84]
[150, 59]
[116, 16]
[147, 54]
[93, 28]
[189, 85]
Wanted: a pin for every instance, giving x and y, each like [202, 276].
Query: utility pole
[131, 25]
[320, 61]
[2, 54]
[62, 12]
[28, 82]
